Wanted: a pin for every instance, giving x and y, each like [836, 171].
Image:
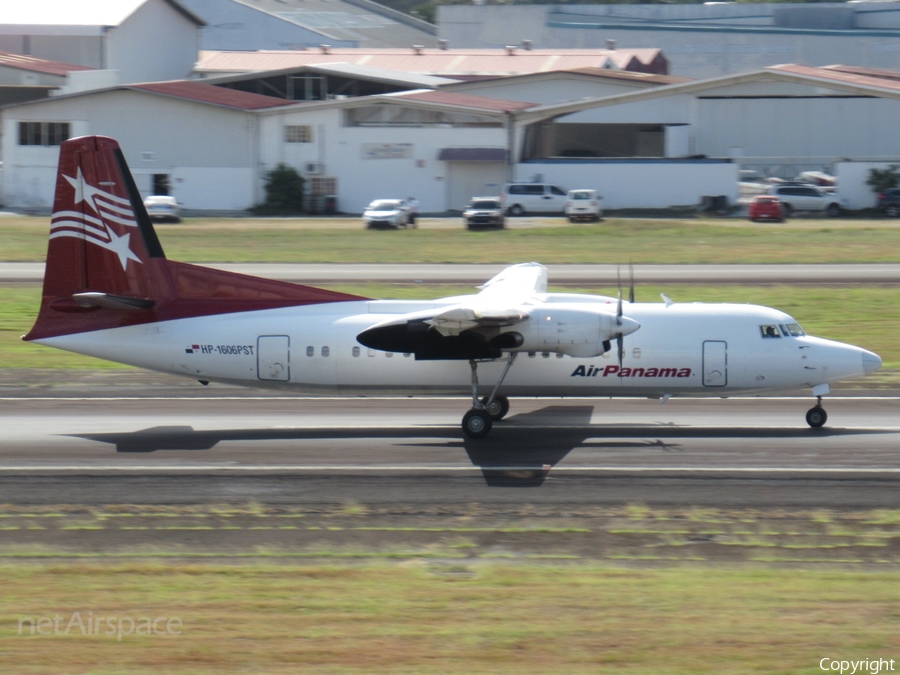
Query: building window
[298, 133]
[43, 133]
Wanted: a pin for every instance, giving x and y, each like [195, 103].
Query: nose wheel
[816, 416]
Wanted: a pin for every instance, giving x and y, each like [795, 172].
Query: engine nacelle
[574, 331]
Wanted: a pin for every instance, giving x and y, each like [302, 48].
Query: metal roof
[207, 93]
[349, 70]
[463, 100]
[441, 62]
[80, 13]
[34, 64]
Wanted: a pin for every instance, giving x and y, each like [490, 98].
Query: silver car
[163, 208]
[807, 198]
[386, 214]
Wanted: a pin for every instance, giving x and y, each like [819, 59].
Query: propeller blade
[620, 343]
[631, 282]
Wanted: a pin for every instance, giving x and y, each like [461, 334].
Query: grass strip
[384, 618]
[689, 241]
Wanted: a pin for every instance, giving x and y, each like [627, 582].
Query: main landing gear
[478, 421]
[816, 416]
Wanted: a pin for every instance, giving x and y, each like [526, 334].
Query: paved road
[728, 453]
[559, 274]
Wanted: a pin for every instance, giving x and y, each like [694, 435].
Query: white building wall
[155, 43]
[851, 181]
[158, 134]
[339, 150]
[627, 184]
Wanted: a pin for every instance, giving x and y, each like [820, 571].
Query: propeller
[620, 338]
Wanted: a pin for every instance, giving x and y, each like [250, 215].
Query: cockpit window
[770, 331]
[795, 330]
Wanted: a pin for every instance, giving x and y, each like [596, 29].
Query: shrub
[284, 191]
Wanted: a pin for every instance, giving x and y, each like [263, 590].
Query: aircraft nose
[870, 361]
[626, 326]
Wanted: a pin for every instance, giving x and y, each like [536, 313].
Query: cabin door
[715, 363]
[273, 359]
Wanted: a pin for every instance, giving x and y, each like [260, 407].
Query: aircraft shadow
[520, 451]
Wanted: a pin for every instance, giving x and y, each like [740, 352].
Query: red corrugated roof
[837, 76]
[207, 93]
[430, 61]
[868, 72]
[34, 64]
[466, 100]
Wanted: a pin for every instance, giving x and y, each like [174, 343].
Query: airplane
[110, 292]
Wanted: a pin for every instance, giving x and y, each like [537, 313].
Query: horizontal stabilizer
[108, 301]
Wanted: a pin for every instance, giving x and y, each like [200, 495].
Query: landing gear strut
[478, 421]
[816, 416]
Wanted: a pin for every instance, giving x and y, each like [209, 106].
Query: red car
[766, 207]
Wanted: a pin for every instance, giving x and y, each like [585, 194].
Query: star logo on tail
[109, 210]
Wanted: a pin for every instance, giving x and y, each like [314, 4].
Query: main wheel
[788, 210]
[816, 417]
[833, 210]
[516, 210]
[476, 423]
[498, 407]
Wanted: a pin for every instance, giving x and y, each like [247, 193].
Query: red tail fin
[106, 267]
[101, 239]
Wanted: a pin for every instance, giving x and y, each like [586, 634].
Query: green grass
[862, 316]
[402, 618]
[692, 241]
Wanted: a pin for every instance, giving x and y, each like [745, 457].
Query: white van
[583, 205]
[519, 198]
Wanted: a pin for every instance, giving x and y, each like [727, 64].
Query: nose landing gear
[478, 421]
[816, 416]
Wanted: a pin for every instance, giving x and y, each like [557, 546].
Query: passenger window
[370, 352]
[356, 351]
[531, 355]
[310, 351]
[407, 354]
[770, 331]
[555, 190]
[534, 189]
[325, 351]
[389, 354]
[546, 355]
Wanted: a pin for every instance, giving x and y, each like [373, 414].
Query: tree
[284, 191]
[884, 179]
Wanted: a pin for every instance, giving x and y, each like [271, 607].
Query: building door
[715, 363]
[473, 179]
[273, 359]
[161, 184]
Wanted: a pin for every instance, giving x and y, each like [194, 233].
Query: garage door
[473, 179]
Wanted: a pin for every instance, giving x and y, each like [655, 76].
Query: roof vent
[511, 49]
[611, 44]
[418, 49]
[527, 45]
[443, 44]
[326, 49]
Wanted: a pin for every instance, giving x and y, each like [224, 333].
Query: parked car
[484, 212]
[383, 214]
[889, 202]
[583, 205]
[766, 207]
[806, 198]
[521, 198]
[162, 208]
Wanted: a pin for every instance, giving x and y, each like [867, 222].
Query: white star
[84, 192]
[119, 246]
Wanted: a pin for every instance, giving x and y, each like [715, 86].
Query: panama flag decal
[112, 214]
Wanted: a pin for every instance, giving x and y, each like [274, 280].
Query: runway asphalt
[570, 275]
[754, 453]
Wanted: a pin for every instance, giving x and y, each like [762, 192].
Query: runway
[736, 452]
[843, 274]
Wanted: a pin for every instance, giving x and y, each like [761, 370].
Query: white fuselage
[680, 350]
